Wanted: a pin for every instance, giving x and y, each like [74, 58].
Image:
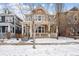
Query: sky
[24, 8]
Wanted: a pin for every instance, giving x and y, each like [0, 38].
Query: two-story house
[42, 22]
[9, 23]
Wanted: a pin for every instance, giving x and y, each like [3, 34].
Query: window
[40, 29]
[9, 19]
[3, 18]
[3, 29]
[39, 18]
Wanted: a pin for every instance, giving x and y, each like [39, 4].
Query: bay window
[40, 29]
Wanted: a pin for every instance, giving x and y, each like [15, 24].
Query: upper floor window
[3, 18]
[9, 19]
[39, 18]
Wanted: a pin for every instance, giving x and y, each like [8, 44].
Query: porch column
[49, 30]
[22, 29]
[56, 31]
[25, 29]
[14, 25]
[30, 30]
[8, 28]
[14, 29]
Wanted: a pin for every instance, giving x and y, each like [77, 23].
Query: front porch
[40, 31]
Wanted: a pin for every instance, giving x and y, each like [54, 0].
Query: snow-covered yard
[56, 49]
[54, 40]
[41, 50]
[42, 40]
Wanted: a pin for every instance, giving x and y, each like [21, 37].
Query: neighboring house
[45, 24]
[71, 22]
[9, 23]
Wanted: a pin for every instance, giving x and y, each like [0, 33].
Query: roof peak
[74, 9]
[40, 8]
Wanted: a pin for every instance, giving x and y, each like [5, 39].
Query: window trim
[42, 29]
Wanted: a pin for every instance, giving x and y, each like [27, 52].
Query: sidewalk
[42, 41]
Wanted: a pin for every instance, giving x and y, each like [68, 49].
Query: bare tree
[33, 26]
[72, 23]
[59, 9]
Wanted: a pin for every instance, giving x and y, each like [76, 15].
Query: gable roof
[40, 8]
[74, 9]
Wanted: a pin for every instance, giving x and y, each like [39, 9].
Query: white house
[9, 23]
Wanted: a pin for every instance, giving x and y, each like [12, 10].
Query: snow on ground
[12, 40]
[54, 40]
[42, 40]
[41, 50]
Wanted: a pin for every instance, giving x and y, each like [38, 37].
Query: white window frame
[9, 19]
[42, 28]
[40, 17]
